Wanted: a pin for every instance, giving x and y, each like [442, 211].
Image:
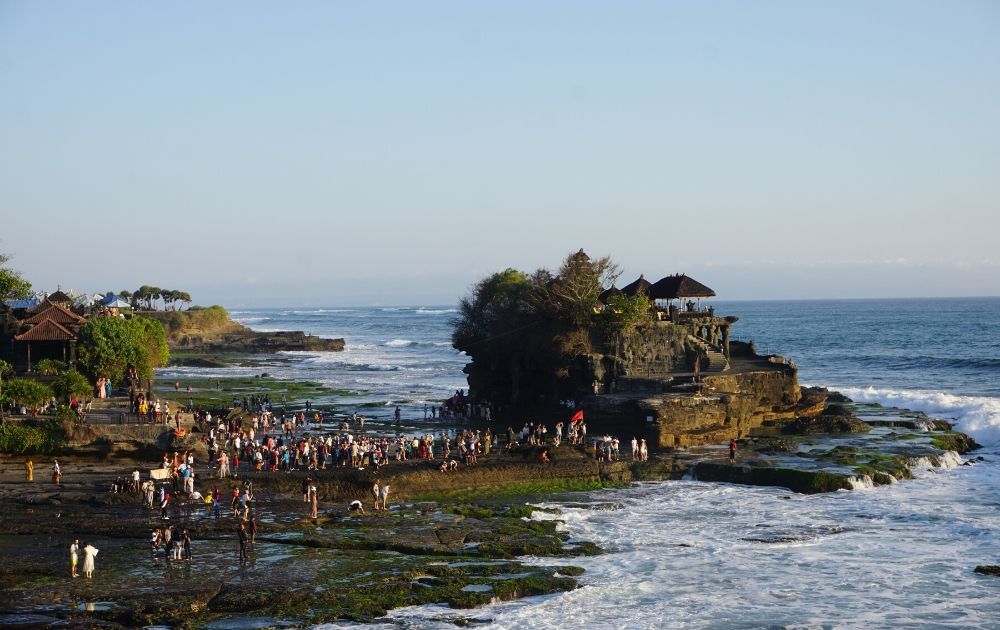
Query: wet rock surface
[834, 419]
[340, 566]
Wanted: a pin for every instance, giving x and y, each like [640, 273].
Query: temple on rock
[680, 379]
[676, 300]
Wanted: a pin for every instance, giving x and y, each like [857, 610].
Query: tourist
[178, 545]
[154, 542]
[356, 506]
[164, 502]
[74, 557]
[385, 497]
[635, 449]
[56, 473]
[148, 489]
[313, 501]
[643, 450]
[89, 553]
[29, 470]
[252, 529]
[732, 451]
[241, 531]
[378, 495]
[186, 545]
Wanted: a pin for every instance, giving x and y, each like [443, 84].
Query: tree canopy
[148, 295]
[12, 285]
[27, 392]
[524, 331]
[69, 383]
[110, 345]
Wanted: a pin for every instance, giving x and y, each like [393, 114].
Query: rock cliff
[210, 330]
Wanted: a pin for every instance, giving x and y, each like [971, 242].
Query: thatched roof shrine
[607, 294]
[678, 286]
[639, 286]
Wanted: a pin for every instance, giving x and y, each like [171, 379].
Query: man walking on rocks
[242, 531]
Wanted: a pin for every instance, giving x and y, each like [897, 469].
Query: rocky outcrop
[251, 342]
[803, 481]
[834, 419]
[211, 331]
[988, 569]
[726, 406]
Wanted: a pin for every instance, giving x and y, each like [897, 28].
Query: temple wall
[656, 349]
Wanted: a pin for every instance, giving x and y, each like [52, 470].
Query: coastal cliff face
[212, 331]
[727, 406]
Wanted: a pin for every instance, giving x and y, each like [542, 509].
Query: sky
[335, 153]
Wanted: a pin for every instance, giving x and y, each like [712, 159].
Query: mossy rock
[803, 481]
[954, 441]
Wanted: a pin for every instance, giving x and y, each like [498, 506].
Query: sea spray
[978, 416]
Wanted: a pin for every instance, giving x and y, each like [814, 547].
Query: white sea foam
[399, 343]
[978, 416]
[861, 482]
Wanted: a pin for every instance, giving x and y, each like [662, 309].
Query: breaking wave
[978, 416]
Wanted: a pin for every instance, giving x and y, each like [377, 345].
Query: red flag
[577, 417]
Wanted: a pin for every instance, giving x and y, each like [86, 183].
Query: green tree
[625, 312]
[146, 294]
[110, 345]
[573, 294]
[27, 392]
[12, 285]
[70, 383]
[51, 367]
[529, 336]
[5, 368]
[183, 296]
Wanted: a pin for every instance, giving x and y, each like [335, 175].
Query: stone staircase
[716, 360]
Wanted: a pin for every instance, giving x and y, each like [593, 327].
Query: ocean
[691, 554]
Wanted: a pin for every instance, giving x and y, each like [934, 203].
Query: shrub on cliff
[624, 314]
[110, 345]
[23, 439]
[71, 383]
[207, 317]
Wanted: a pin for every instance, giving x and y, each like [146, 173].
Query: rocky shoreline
[451, 538]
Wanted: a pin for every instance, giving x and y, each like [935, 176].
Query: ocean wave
[433, 311]
[978, 416]
[409, 343]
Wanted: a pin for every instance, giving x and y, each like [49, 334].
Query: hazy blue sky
[351, 153]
